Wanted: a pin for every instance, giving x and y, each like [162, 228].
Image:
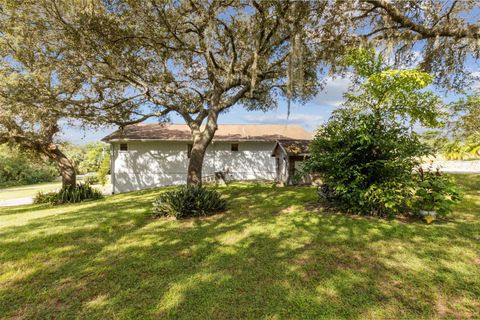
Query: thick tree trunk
[195, 163]
[201, 140]
[66, 167]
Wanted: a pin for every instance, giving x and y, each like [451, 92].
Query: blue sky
[310, 116]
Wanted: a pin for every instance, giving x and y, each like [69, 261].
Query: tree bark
[201, 140]
[66, 167]
[195, 163]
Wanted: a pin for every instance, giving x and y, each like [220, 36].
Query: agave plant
[189, 201]
[71, 194]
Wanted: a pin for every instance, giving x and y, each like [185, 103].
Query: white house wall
[149, 164]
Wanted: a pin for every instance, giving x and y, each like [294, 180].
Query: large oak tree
[34, 93]
[194, 58]
[151, 58]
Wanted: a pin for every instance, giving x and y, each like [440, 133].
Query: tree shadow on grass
[267, 257]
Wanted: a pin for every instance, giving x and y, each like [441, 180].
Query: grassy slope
[271, 256]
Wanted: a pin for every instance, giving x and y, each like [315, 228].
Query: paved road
[16, 202]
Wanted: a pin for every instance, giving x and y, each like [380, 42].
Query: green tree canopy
[393, 95]
[366, 153]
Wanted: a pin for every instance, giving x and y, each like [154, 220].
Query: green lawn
[28, 190]
[274, 255]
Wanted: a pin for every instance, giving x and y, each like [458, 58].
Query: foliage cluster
[70, 194]
[368, 168]
[87, 158]
[18, 168]
[189, 201]
[435, 192]
[453, 147]
[90, 179]
[466, 149]
[103, 170]
[101, 176]
[365, 165]
[367, 152]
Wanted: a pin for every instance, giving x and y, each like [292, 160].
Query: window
[234, 147]
[123, 147]
[189, 150]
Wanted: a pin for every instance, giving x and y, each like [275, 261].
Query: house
[151, 155]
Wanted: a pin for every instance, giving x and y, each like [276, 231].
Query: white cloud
[308, 121]
[332, 94]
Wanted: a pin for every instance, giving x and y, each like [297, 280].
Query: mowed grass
[275, 254]
[28, 190]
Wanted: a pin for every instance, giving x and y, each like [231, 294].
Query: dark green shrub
[91, 179]
[17, 168]
[367, 151]
[435, 192]
[46, 197]
[366, 165]
[78, 193]
[103, 170]
[73, 194]
[189, 201]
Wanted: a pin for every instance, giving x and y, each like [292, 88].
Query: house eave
[182, 140]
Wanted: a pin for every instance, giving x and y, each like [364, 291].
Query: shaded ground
[272, 255]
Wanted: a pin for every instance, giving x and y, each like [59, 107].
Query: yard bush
[104, 169]
[91, 179]
[189, 201]
[72, 194]
[46, 197]
[435, 192]
[367, 152]
[365, 165]
[17, 168]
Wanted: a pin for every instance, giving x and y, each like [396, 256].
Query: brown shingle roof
[225, 132]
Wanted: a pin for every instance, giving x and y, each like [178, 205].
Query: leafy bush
[366, 165]
[103, 171]
[72, 194]
[94, 153]
[326, 192]
[435, 192]
[91, 179]
[17, 168]
[388, 198]
[46, 197]
[367, 152]
[189, 201]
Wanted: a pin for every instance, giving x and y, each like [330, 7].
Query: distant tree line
[20, 167]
